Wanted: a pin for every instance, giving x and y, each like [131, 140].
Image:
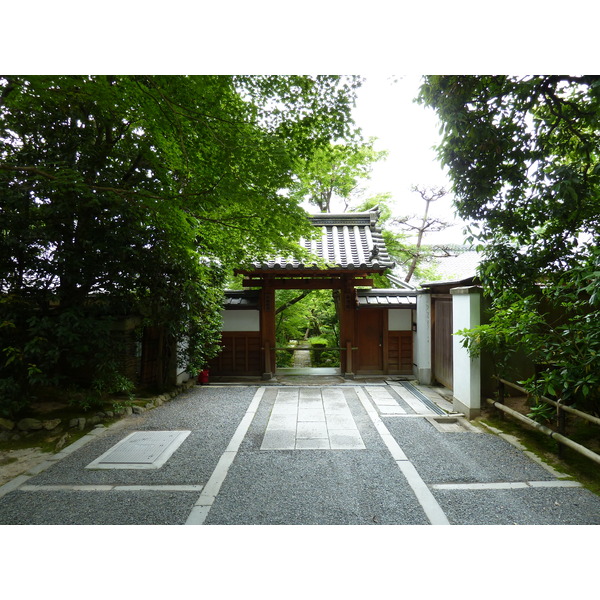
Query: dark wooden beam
[340, 272]
[307, 284]
[267, 329]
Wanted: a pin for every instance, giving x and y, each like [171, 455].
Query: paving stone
[310, 414]
[311, 430]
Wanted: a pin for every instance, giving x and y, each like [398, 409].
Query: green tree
[419, 254]
[524, 157]
[135, 195]
[333, 173]
[416, 259]
[310, 315]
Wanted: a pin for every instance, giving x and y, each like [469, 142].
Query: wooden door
[400, 353]
[370, 340]
[241, 354]
[442, 341]
[152, 364]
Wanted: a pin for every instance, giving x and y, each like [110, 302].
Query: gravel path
[470, 477]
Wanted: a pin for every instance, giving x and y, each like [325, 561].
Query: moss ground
[569, 462]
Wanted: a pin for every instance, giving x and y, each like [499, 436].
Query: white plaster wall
[466, 307]
[399, 319]
[422, 340]
[181, 375]
[241, 320]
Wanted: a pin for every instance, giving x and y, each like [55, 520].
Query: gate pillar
[267, 329]
[466, 313]
[347, 316]
[422, 348]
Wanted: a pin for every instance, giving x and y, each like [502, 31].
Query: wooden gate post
[561, 422]
[347, 313]
[349, 373]
[267, 328]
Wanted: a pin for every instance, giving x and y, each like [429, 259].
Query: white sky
[408, 131]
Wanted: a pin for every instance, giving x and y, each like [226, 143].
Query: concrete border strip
[426, 499]
[111, 488]
[506, 485]
[209, 494]
[13, 484]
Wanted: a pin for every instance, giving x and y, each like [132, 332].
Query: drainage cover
[141, 450]
[422, 397]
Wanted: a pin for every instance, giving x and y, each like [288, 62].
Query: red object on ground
[203, 376]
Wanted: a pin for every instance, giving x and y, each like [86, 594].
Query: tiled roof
[241, 299]
[446, 286]
[349, 241]
[459, 266]
[390, 298]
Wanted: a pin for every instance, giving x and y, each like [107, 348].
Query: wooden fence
[561, 414]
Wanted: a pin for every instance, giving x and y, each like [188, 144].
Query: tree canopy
[140, 192]
[524, 157]
[333, 173]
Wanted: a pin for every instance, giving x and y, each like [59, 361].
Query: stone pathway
[311, 419]
[302, 356]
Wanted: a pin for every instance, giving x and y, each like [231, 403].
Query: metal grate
[423, 398]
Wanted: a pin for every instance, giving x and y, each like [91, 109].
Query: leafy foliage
[129, 195]
[542, 412]
[333, 173]
[320, 355]
[313, 317]
[332, 176]
[524, 157]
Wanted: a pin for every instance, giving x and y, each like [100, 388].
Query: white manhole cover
[141, 450]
